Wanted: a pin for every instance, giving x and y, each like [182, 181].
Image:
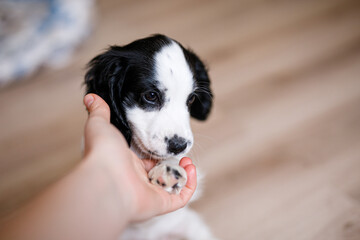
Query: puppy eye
[151, 97]
[190, 100]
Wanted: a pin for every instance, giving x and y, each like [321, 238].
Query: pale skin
[105, 192]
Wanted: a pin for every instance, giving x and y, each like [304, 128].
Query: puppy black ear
[105, 77]
[202, 104]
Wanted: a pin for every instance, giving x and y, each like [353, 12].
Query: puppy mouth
[145, 152]
[157, 156]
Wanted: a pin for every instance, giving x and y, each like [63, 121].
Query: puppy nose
[176, 144]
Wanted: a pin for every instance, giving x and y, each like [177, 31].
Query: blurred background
[281, 150]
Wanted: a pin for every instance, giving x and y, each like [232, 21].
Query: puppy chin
[143, 152]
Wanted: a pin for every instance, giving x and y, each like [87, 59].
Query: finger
[185, 161]
[148, 164]
[190, 169]
[97, 107]
[98, 121]
[191, 179]
[178, 201]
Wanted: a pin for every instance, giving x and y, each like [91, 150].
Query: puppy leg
[183, 224]
[171, 177]
[193, 227]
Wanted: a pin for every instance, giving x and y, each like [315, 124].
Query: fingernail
[88, 100]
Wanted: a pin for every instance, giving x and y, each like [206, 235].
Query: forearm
[83, 205]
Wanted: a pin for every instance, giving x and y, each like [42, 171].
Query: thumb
[98, 122]
[97, 107]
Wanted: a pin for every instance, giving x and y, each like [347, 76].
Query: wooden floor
[282, 147]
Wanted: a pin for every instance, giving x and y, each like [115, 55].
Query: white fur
[184, 224]
[176, 80]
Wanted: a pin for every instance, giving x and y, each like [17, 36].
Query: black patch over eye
[151, 97]
[151, 100]
[190, 100]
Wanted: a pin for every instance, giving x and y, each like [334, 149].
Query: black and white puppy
[153, 86]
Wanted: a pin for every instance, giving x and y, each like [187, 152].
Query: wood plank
[289, 53]
[259, 127]
[282, 186]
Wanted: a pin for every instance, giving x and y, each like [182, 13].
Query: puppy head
[152, 86]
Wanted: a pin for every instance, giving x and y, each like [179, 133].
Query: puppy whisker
[203, 136]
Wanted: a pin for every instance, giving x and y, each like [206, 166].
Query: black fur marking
[202, 105]
[176, 174]
[175, 186]
[122, 74]
[168, 169]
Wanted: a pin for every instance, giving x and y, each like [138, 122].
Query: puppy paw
[172, 178]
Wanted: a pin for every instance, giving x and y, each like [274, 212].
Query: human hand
[106, 149]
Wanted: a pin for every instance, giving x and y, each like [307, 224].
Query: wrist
[107, 178]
